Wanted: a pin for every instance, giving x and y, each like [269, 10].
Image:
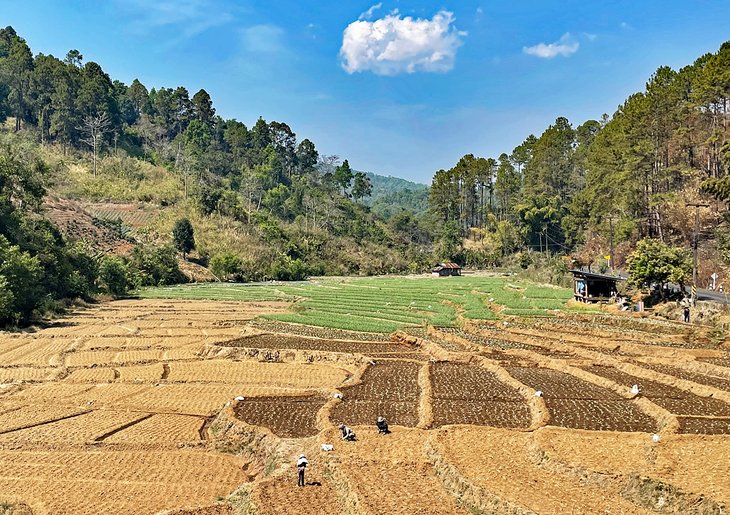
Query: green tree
[361, 186]
[113, 275]
[450, 242]
[343, 176]
[656, 263]
[23, 278]
[16, 65]
[183, 237]
[226, 266]
[203, 108]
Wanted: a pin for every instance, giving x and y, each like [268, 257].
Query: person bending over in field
[301, 466]
[347, 433]
[382, 425]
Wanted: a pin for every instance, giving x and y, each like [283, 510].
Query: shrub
[226, 266]
[183, 236]
[113, 275]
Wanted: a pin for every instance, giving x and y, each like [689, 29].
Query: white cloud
[369, 13]
[394, 45]
[565, 46]
[590, 37]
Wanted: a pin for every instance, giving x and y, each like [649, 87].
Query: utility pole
[610, 243]
[695, 245]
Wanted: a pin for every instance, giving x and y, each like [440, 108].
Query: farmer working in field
[685, 308]
[301, 465]
[347, 433]
[382, 425]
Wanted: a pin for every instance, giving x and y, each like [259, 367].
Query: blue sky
[397, 87]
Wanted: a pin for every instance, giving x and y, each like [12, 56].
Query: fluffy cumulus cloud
[565, 46]
[394, 45]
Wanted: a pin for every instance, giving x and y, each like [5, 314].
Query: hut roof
[591, 275]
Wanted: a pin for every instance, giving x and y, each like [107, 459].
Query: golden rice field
[198, 407]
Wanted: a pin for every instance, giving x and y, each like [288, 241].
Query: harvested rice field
[188, 407]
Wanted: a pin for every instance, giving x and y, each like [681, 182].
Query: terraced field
[388, 389]
[139, 406]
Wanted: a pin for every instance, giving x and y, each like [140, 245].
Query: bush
[113, 275]
[226, 266]
[288, 269]
[154, 266]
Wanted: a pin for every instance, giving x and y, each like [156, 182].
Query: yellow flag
[608, 258]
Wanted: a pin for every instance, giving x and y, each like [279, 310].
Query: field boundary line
[45, 422]
[425, 407]
[116, 430]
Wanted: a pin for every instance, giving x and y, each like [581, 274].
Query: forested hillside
[263, 203]
[107, 187]
[580, 189]
[391, 195]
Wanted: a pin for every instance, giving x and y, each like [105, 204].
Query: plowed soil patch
[468, 394]
[559, 385]
[674, 400]
[721, 383]
[599, 415]
[720, 362]
[704, 425]
[578, 404]
[276, 341]
[500, 462]
[389, 389]
[116, 482]
[287, 417]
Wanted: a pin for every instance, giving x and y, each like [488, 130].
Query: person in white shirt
[301, 466]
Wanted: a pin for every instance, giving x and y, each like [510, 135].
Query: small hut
[590, 287]
[446, 269]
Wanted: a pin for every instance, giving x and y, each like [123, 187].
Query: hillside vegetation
[108, 169]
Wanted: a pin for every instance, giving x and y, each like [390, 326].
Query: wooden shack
[446, 269]
[590, 287]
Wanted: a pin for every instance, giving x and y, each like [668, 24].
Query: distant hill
[391, 194]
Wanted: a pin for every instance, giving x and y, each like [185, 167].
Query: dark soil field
[577, 404]
[277, 341]
[388, 389]
[287, 417]
[468, 394]
[721, 383]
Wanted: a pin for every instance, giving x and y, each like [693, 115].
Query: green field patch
[384, 304]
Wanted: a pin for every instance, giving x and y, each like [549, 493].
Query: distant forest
[617, 180]
[259, 203]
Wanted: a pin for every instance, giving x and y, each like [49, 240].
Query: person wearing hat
[382, 425]
[347, 433]
[301, 466]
